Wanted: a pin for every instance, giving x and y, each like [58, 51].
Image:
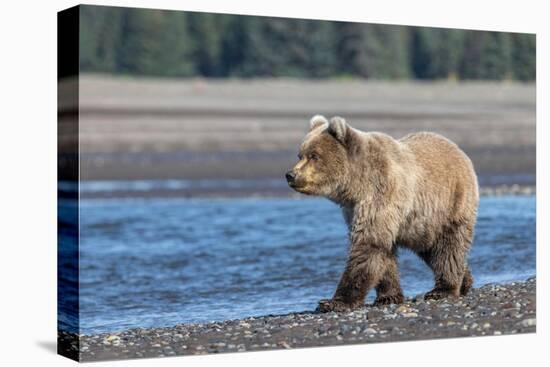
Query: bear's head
[323, 166]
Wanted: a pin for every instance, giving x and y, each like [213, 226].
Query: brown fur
[419, 192]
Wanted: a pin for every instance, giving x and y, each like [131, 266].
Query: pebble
[374, 314]
[345, 328]
[529, 322]
[112, 339]
[402, 309]
[284, 345]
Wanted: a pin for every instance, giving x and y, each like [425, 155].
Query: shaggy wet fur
[419, 192]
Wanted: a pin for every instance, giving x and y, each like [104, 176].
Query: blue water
[160, 262]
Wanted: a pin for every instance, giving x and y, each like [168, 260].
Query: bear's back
[446, 175]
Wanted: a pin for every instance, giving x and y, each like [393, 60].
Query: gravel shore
[494, 309]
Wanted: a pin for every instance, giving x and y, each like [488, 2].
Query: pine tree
[487, 55]
[155, 42]
[268, 49]
[234, 45]
[207, 31]
[524, 56]
[312, 47]
[435, 53]
[496, 56]
[176, 46]
[447, 56]
[373, 50]
[99, 37]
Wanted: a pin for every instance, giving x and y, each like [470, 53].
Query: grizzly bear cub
[419, 192]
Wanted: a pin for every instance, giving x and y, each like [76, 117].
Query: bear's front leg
[365, 267]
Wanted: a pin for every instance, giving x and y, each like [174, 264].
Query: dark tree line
[180, 44]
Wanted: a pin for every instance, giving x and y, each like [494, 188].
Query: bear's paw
[337, 305]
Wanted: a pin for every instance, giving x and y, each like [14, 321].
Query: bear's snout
[290, 177]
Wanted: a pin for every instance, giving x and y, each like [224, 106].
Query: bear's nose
[290, 176]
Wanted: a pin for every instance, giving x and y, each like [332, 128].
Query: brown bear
[419, 192]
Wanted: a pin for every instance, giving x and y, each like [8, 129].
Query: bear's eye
[314, 156]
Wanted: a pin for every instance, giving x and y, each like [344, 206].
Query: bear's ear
[317, 121]
[338, 128]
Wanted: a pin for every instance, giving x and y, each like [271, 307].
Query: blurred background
[183, 44]
[197, 96]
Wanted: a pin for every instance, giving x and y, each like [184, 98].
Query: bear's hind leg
[448, 261]
[446, 285]
[389, 290]
[467, 282]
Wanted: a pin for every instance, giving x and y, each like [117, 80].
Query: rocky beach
[493, 309]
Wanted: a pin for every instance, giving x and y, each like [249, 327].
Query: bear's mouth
[301, 188]
[293, 185]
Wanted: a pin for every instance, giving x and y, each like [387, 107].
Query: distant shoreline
[493, 309]
[176, 189]
[148, 129]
